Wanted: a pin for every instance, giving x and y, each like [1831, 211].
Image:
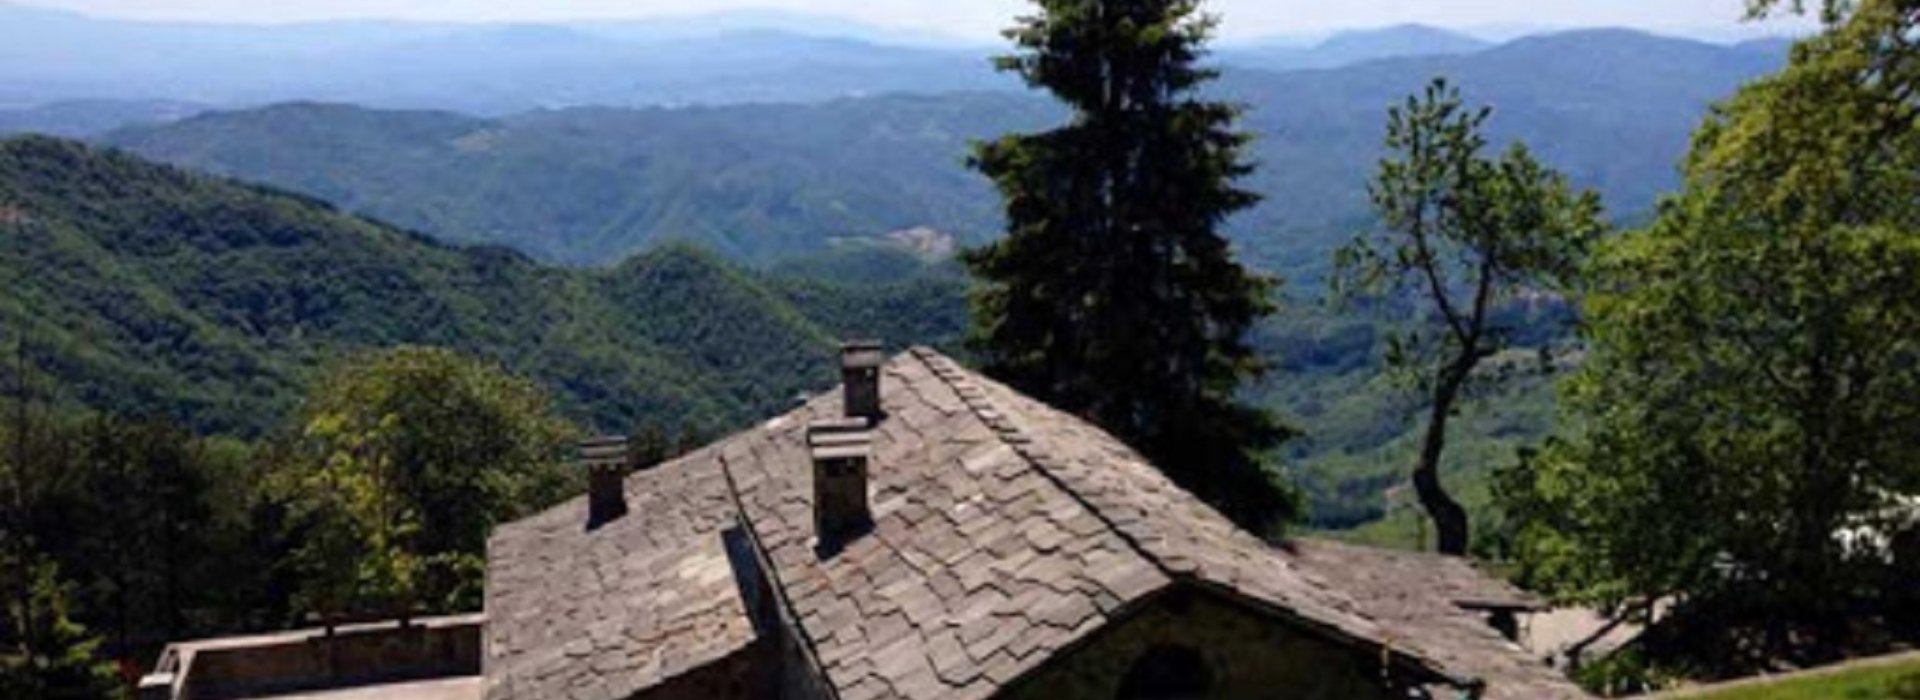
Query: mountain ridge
[1354, 46]
[588, 186]
[501, 68]
[143, 288]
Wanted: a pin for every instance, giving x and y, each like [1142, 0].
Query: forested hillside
[590, 186]
[778, 184]
[804, 190]
[145, 289]
[149, 290]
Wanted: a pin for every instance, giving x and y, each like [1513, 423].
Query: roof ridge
[1000, 422]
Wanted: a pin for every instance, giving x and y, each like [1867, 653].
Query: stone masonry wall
[439, 648]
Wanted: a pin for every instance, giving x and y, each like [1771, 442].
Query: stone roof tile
[1003, 532]
[605, 613]
[964, 540]
[1404, 605]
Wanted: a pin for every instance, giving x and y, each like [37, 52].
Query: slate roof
[602, 614]
[1434, 607]
[1003, 532]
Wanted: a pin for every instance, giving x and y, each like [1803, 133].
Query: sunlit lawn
[1898, 681]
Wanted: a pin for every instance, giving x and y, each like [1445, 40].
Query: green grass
[1892, 681]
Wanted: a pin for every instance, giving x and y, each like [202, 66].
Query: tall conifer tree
[1113, 295]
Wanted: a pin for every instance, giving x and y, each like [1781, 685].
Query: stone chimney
[607, 462]
[860, 362]
[840, 451]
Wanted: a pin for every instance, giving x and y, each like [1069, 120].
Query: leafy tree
[148, 525]
[1751, 404]
[408, 458]
[1113, 295]
[43, 653]
[1465, 233]
[136, 522]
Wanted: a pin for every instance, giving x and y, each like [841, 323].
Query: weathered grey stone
[1012, 545]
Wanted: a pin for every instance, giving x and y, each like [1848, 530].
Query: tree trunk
[1449, 519]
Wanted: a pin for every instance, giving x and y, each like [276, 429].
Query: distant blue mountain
[709, 25]
[764, 183]
[85, 118]
[496, 69]
[48, 56]
[1347, 48]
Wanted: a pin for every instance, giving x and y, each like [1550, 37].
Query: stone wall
[437, 648]
[1246, 654]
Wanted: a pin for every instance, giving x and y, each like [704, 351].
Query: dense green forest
[119, 535]
[807, 192]
[212, 302]
[193, 364]
[150, 290]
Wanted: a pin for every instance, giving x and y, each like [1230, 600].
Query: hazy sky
[976, 19]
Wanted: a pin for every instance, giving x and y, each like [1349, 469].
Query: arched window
[1168, 672]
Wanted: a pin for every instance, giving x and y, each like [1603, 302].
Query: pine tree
[1113, 296]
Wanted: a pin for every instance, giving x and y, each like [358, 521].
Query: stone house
[927, 533]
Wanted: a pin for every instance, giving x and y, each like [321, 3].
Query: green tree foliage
[44, 654]
[153, 291]
[405, 460]
[1113, 295]
[157, 535]
[1750, 410]
[1464, 233]
[139, 525]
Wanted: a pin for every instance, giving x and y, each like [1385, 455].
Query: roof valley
[788, 613]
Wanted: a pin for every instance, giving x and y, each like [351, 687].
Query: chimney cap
[603, 451]
[860, 450]
[862, 354]
[607, 461]
[839, 438]
[841, 450]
